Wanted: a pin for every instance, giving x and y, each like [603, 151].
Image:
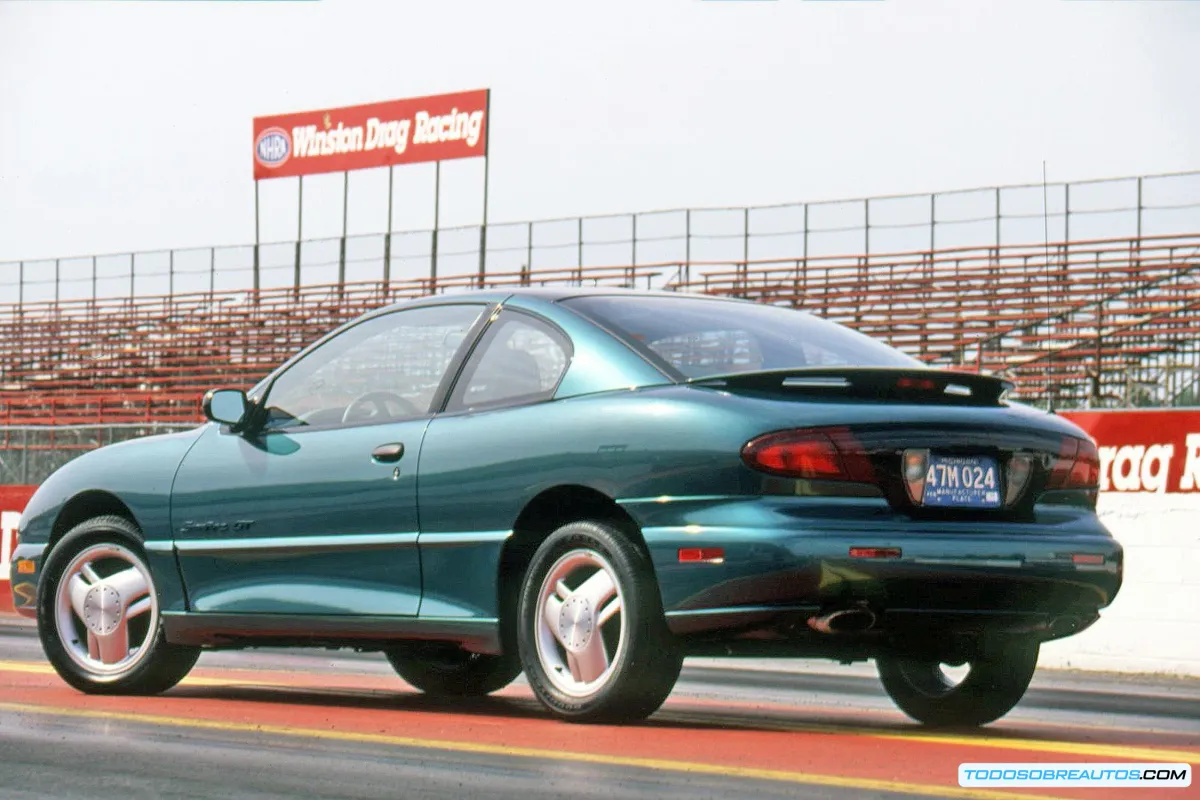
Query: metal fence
[726, 250]
[29, 453]
[1005, 215]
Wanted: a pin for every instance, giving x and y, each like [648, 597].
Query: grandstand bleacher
[1087, 321]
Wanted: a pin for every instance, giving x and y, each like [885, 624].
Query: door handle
[388, 453]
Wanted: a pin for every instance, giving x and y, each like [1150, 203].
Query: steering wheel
[373, 407]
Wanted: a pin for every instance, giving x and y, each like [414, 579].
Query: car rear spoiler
[876, 383]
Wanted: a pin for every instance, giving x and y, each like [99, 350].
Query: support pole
[345, 220]
[746, 238]
[687, 245]
[932, 225]
[998, 217]
[487, 120]
[867, 226]
[632, 239]
[525, 270]
[1067, 212]
[437, 197]
[387, 239]
[299, 236]
[1139, 212]
[484, 225]
[257, 267]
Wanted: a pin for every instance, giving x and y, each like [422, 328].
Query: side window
[382, 370]
[520, 360]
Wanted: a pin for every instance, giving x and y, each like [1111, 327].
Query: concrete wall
[1154, 624]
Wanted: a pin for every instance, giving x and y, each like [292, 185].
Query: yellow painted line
[479, 748]
[1117, 751]
[31, 668]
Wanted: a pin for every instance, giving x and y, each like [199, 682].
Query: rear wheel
[995, 683]
[450, 671]
[98, 614]
[592, 634]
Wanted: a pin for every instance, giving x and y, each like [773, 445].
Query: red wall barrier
[1152, 450]
[12, 503]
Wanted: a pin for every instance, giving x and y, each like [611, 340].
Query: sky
[127, 125]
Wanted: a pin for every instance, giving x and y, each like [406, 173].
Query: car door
[475, 466]
[313, 510]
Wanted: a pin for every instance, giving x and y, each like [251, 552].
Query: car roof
[551, 294]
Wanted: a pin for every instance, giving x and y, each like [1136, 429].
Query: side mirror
[226, 405]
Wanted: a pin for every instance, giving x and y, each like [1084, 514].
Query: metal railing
[995, 216]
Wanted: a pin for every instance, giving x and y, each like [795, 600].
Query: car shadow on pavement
[677, 715]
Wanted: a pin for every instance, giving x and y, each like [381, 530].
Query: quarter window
[521, 359]
[383, 370]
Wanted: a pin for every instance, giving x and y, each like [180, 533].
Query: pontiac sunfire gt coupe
[587, 486]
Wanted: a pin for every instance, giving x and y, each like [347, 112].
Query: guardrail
[992, 216]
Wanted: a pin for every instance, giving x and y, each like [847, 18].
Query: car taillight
[1077, 465]
[826, 454]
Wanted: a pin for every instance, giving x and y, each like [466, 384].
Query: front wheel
[592, 634]
[996, 682]
[98, 615]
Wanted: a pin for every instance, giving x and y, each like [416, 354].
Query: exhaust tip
[848, 620]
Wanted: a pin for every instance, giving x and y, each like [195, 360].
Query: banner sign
[421, 129]
[12, 503]
[1145, 451]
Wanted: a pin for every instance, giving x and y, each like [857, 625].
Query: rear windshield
[701, 337]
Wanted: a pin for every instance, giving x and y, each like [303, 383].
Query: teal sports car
[587, 486]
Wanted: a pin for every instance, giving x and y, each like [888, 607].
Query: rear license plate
[962, 482]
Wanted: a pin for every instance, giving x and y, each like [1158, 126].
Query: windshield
[699, 337]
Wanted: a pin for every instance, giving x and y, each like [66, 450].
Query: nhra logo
[273, 147]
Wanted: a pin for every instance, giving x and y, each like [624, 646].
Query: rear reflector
[874, 552]
[706, 555]
[1087, 558]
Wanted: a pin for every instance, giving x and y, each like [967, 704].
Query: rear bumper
[968, 580]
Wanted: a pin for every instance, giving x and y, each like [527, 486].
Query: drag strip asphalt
[338, 724]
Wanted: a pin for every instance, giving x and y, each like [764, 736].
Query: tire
[641, 659]
[150, 664]
[995, 683]
[454, 672]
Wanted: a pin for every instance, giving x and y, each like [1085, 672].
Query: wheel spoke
[89, 572]
[93, 642]
[77, 589]
[562, 590]
[608, 612]
[592, 660]
[551, 608]
[597, 589]
[573, 665]
[138, 608]
[130, 584]
[115, 646]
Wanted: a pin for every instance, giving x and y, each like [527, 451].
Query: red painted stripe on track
[374, 704]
